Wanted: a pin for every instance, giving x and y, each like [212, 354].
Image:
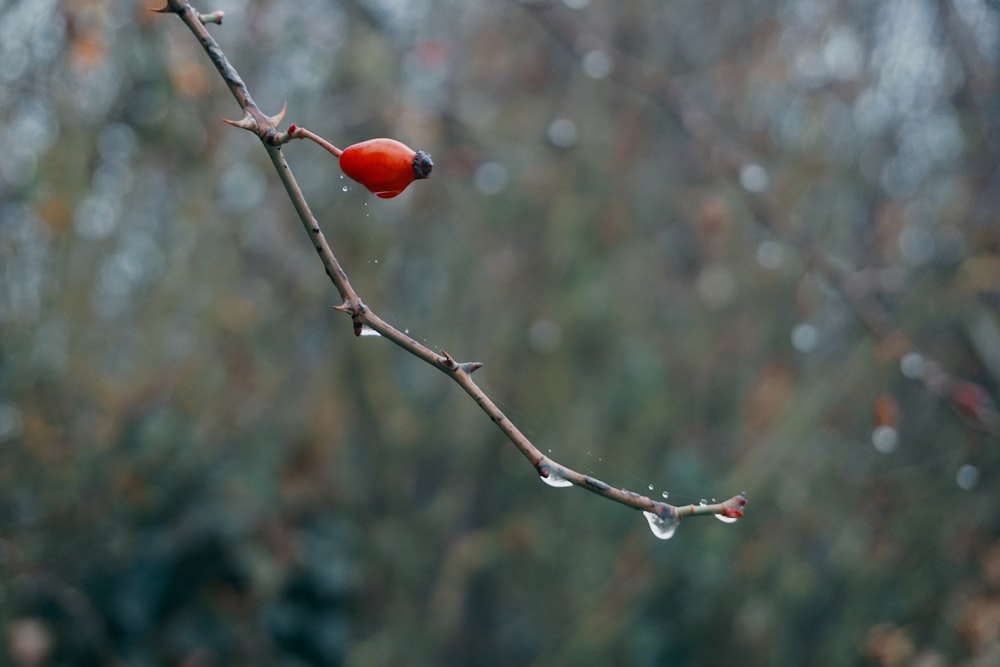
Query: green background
[201, 465]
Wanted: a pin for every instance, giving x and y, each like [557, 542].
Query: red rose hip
[385, 166]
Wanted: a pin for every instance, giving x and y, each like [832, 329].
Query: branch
[663, 517]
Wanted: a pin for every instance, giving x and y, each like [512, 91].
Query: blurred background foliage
[201, 465]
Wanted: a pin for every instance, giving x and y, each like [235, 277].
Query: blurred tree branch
[730, 162]
[663, 517]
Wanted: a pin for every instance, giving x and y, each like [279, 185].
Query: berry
[385, 166]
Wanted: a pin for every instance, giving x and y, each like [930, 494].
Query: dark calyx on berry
[422, 165]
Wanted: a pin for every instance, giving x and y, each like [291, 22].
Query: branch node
[214, 17]
[470, 367]
[733, 508]
[448, 361]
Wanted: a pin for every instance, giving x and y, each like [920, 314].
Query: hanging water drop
[554, 479]
[726, 519]
[663, 528]
[368, 331]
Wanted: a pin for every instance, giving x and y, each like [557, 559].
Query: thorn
[246, 123]
[276, 119]
[471, 367]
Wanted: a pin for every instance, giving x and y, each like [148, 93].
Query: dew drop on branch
[555, 480]
[368, 331]
[663, 528]
[726, 519]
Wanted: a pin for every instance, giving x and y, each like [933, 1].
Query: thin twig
[663, 517]
[295, 132]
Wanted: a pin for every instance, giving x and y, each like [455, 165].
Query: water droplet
[967, 477]
[663, 528]
[912, 365]
[702, 502]
[665, 495]
[754, 178]
[726, 519]
[406, 331]
[597, 64]
[885, 438]
[562, 133]
[368, 331]
[491, 178]
[716, 285]
[344, 188]
[770, 255]
[916, 244]
[555, 480]
[805, 337]
[650, 487]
